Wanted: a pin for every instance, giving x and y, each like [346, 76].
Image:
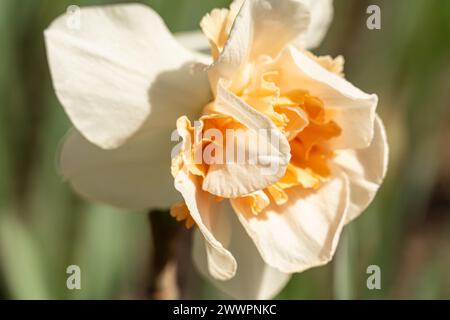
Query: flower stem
[171, 257]
[343, 284]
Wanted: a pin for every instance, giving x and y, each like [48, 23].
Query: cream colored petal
[269, 147]
[104, 72]
[365, 169]
[321, 12]
[192, 40]
[133, 176]
[254, 279]
[352, 109]
[217, 25]
[261, 27]
[137, 175]
[304, 232]
[334, 65]
[214, 23]
[298, 120]
[212, 222]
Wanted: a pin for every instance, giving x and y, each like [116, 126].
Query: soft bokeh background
[44, 227]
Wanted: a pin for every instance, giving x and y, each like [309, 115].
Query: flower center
[310, 154]
[298, 114]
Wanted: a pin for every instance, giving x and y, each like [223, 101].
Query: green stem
[345, 257]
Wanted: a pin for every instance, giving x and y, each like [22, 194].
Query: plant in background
[125, 83]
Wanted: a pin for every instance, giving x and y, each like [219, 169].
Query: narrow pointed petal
[254, 279]
[304, 232]
[107, 73]
[365, 169]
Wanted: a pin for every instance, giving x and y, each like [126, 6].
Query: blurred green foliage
[44, 227]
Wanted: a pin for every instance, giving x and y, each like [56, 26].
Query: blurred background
[45, 227]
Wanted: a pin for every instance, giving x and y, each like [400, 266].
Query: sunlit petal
[352, 109]
[105, 72]
[304, 232]
[366, 169]
[254, 279]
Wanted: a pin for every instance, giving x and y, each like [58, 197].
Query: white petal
[254, 279]
[365, 169]
[304, 232]
[321, 12]
[352, 109]
[261, 27]
[108, 74]
[207, 214]
[132, 176]
[272, 152]
[192, 40]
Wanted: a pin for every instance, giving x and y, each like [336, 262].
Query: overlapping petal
[132, 176]
[123, 81]
[321, 13]
[352, 109]
[261, 27]
[304, 232]
[365, 169]
[254, 279]
[136, 175]
[269, 146]
[103, 71]
[212, 222]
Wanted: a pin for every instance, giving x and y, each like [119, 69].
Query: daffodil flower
[126, 83]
